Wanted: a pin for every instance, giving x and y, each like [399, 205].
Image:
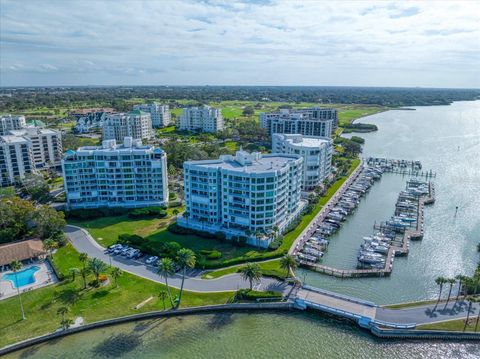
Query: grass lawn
[452, 325]
[93, 304]
[269, 268]
[412, 304]
[105, 230]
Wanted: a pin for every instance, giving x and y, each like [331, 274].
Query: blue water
[23, 277]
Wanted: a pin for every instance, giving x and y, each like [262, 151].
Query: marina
[391, 238]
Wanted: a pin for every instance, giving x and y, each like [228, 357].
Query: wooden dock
[397, 250]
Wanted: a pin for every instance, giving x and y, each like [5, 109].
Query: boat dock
[398, 247]
[403, 167]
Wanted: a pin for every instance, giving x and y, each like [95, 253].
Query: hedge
[248, 294]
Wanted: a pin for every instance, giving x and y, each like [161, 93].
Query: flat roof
[266, 163]
[305, 141]
[13, 139]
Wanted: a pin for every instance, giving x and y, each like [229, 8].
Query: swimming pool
[23, 278]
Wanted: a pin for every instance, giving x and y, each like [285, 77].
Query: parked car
[151, 260]
[125, 250]
[118, 250]
[132, 253]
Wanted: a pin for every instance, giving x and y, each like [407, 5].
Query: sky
[261, 42]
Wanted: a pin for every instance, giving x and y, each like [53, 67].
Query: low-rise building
[11, 122]
[315, 121]
[90, 121]
[136, 124]
[16, 159]
[160, 114]
[316, 152]
[200, 119]
[46, 145]
[248, 195]
[129, 175]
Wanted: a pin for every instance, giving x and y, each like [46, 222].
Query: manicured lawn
[93, 304]
[452, 325]
[105, 230]
[270, 268]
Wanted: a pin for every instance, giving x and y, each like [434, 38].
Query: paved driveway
[83, 242]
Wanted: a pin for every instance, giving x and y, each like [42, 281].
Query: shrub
[148, 212]
[172, 196]
[176, 229]
[276, 243]
[102, 277]
[174, 204]
[247, 294]
[214, 255]
[126, 238]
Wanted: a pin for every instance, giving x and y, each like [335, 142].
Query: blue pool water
[23, 278]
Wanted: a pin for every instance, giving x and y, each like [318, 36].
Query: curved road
[83, 242]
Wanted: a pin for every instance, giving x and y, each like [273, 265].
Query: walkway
[83, 242]
[357, 309]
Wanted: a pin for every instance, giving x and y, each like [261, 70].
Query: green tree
[440, 281]
[248, 111]
[84, 272]
[49, 223]
[50, 245]
[252, 273]
[116, 273]
[451, 282]
[15, 218]
[97, 267]
[37, 187]
[15, 266]
[165, 269]
[288, 263]
[162, 295]
[470, 299]
[185, 259]
[83, 257]
[73, 273]
[175, 213]
[461, 283]
[66, 323]
[62, 311]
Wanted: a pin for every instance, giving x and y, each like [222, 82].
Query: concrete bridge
[371, 316]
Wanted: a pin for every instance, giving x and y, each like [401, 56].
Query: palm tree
[470, 299]
[15, 266]
[84, 272]
[476, 300]
[288, 263]
[62, 311]
[73, 273]
[440, 282]
[461, 282]
[97, 267]
[450, 281]
[252, 273]
[186, 215]
[83, 257]
[258, 235]
[165, 269]
[50, 245]
[116, 272]
[185, 259]
[162, 295]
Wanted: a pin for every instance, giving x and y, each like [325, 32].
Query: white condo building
[16, 158]
[200, 119]
[316, 121]
[9, 122]
[46, 145]
[243, 195]
[111, 175]
[136, 124]
[316, 152]
[160, 114]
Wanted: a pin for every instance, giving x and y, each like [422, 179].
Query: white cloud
[223, 42]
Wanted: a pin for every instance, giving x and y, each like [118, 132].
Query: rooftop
[20, 251]
[304, 141]
[11, 139]
[249, 162]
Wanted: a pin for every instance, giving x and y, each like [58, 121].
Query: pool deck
[43, 277]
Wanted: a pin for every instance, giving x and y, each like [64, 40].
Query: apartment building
[316, 121]
[46, 145]
[127, 175]
[200, 119]
[315, 151]
[11, 122]
[160, 114]
[16, 158]
[247, 195]
[136, 124]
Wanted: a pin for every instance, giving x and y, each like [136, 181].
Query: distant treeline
[22, 98]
